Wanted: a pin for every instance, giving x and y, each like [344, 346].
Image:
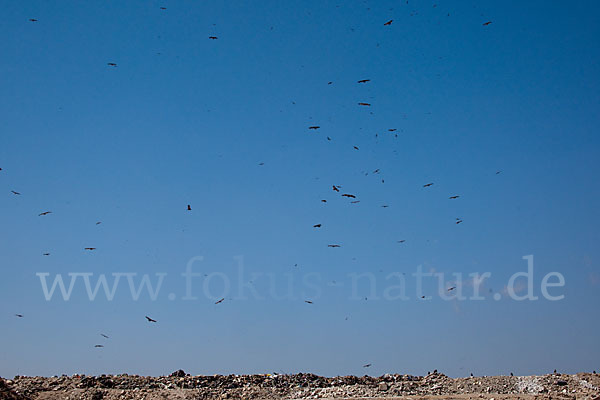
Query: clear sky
[183, 119]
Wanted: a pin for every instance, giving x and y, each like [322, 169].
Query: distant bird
[19, 315]
[355, 201]
[498, 172]
[389, 22]
[367, 365]
[471, 374]
[453, 197]
[452, 288]
[189, 207]
[308, 301]
[46, 254]
[317, 226]
[17, 193]
[45, 213]
[458, 221]
[323, 201]
[401, 241]
[328, 138]
[428, 184]
[98, 223]
[554, 371]
[111, 64]
[336, 188]
[487, 23]
[384, 206]
[355, 147]
[262, 163]
[376, 171]
[364, 104]
[364, 81]
[511, 374]
[333, 245]
[351, 196]
[98, 345]
[150, 319]
[220, 301]
[329, 83]
[392, 130]
[32, 19]
[103, 335]
[213, 37]
[163, 8]
[90, 248]
[422, 297]
[314, 127]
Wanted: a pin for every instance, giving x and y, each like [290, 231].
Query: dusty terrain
[302, 386]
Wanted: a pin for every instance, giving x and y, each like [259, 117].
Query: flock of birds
[335, 188]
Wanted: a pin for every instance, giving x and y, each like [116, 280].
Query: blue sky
[183, 120]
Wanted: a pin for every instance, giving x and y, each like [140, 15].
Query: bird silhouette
[32, 19]
[98, 345]
[351, 196]
[336, 188]
[19, 315]
[401, 241]
[364, 104]
[367, 365]
[453, 197]
[189, 207]
[90, 248]
[105, 336]
[46, 254]
[45, 213]
[315, 127]
[323, 201]
[17, 193]
[98, 223]
[487, 23]
[213, 37]
[308, 301]
[220, 301]
[428, 184]
[111, 64]
[317, 226]
[389, 22]
[364, 81]
[333, 245]
[150, 319]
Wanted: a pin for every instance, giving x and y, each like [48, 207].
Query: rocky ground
[179, 385]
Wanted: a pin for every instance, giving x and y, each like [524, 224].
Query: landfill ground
[180, 385]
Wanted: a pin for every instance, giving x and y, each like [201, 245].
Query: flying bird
[261, 164]
[163, 8]
[498, 172]
[150, 319]
[355, 147]
[451, 288]
[355, 201]
[111, 64]
[45, 213]
[98, 345]
[105, 336]
[329, 83]
[213, 37]
[336, 188]
[317, 226]
[392, 130]
[351, 196]
[189, 207]
[401, 241]
[333, 245]
[453, 197]
[367, 365]
[458, 221]
[90, 248]
[323, 201]
[389, 22]
[328, 138]
[428, 184]
[487, 23]
[46, 254]
[220, 301]
[364, 104]
[308, 301]
[19, 315]
[98, 223]
[384, 206]
[17, 193]
[314, 127]
[32, 19]
[364, 81]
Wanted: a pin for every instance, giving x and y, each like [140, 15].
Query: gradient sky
[187, 120]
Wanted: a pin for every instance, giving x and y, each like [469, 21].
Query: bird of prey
[364, 81]
[389, 22]
[458, 221]
[451, 288]
[401, 241]
[308, 301]
[367, 365]
[355, 147]
[90, 248]
[45, 213]
[213, 37]
[189, 207]
[349, 195]
[98, 345]
[428, 184]
[32, 19]
[314, 127]
[323, 201]
[487, 23]
[336, 188]
[364, 104]
[111, 64]
[453, 197]
[17, 193]
[333, 245]
[317, 226]
[19, 315]
[220, 301]
[104, 336]
[150, 319]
